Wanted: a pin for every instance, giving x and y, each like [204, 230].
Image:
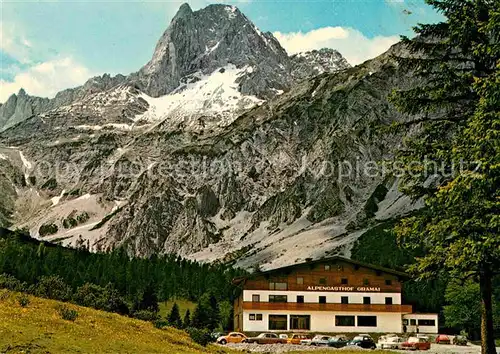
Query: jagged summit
[184, 10]
[210, 38]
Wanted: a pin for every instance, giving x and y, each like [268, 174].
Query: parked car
[296, 338]
[390, 342]
[321, 340]
[363, 341]
[233, 337]
[459, 340]
[338, 341]
[417, 343]
[266, 338]
[284, 336]
[443, 339]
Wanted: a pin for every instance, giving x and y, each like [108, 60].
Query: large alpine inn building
[332, 295]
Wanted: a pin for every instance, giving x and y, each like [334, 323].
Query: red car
[417, 343]
[443, 339]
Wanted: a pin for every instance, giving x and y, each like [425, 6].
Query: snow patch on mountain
[215, 95]
[25, 161]
[56, 200]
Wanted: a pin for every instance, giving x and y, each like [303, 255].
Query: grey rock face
[309, 64]
[21, 106]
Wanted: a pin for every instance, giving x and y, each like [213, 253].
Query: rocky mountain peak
[211, 38]
[184, 10]
[315, 62]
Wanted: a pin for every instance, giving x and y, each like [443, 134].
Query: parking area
[284, 348]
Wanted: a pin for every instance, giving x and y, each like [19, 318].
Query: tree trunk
[487, 339]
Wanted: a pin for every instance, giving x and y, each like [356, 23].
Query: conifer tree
[174, 317]
[455, 105]
[149, 300]
[206, 314]
[186, 322]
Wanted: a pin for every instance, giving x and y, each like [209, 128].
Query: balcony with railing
[296, 306]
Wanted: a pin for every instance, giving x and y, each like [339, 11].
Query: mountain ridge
[150, 176]
[235, 40]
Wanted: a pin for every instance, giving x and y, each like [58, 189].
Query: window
[300, 299]
[327, 267]
[277, 286]
[255, 317]
[366, 300]
[367, 321]
[322, 281]
[277, 322]
[344, 300]
[378, 273]
[413, 322]
[300, 322]
[255, 298]
[344, 321]
[300, 280]
[388, 282]
[277, 298]
[388, 300]
[366, 282]
[423, 322]
[322, 299]
[344, 281]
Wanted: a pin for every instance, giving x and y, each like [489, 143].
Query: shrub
[23, 300]
[160, 323]
[9, 282]
[66, 313]
[107, 298]
[200, 336]
[47, 229]
[53, 287]
[146, 315]
[69, 223]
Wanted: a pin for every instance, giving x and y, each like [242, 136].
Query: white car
[390, 343]
[319, 340]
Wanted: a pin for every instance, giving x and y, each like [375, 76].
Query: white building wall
[323, 321]
[331, 297]
[422, 316]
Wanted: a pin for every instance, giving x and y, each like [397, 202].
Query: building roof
[238, 280]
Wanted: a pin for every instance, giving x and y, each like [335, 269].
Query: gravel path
[284, 348]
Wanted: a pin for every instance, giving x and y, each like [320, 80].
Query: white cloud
[14, 43]
[47, 78]
[351, 43]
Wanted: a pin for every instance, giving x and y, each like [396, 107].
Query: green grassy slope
[38, 328]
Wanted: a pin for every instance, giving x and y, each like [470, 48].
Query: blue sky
[49, 46]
